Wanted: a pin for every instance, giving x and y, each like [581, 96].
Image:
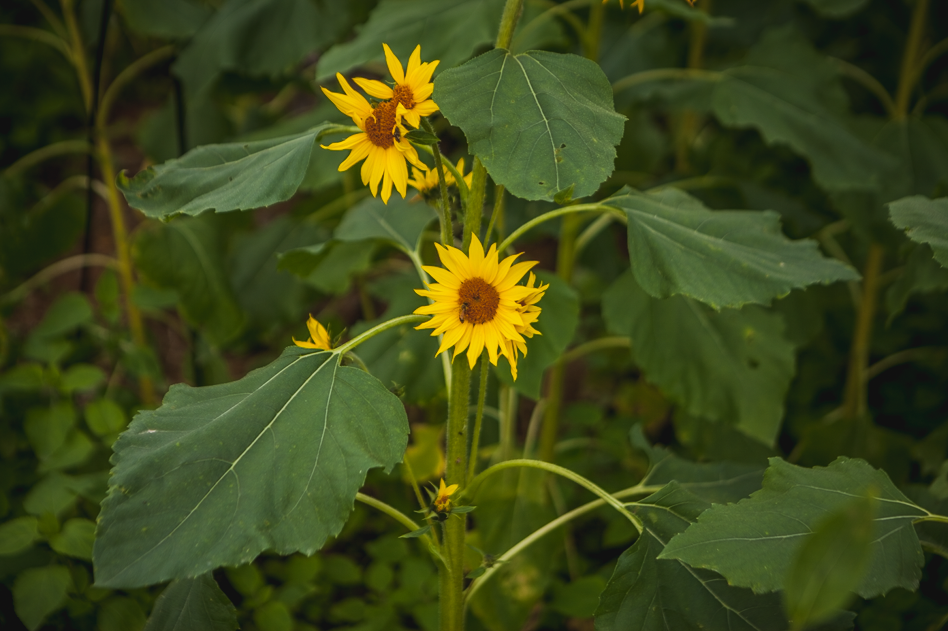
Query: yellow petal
[394, 65]
[374, 88]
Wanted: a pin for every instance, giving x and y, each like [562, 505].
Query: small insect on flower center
[478, 301]
[403, 94]
[380, 126]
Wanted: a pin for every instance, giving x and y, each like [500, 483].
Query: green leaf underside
[449, 29]
[187, 256]
[831, 564]
[924, 221]
[647, 593]
[226, 177]
[540, 122]
[790, 93]
[731, 366]
[399, 222]
[722, 258]
[193, 604]
[753, 542]
[217, 475]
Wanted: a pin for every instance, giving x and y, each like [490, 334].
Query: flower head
[381, 144]
[477, 303]
[641, 4]
[529, 312]
[318, 336]
[412, 88]
[427, 181]
[442, 502]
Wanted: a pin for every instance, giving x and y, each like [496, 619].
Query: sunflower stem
[385, 326]
[447, 229]
[559, 212]
[475, 204]
[452, 574]
[478, 417]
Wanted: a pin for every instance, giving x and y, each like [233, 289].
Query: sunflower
[442, 503]
[381, 144]
[412, 87]
[477, 302]
[529, 312]
[318, 336]
[428, 181]
[641, 4]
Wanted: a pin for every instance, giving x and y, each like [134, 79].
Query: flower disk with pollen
[477, 303]
[381, 125]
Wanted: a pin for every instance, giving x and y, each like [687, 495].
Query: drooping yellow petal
[394, 65]
[374, 88]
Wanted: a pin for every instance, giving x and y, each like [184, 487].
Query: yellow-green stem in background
[910, 72]
[854, 401]
[447, 230]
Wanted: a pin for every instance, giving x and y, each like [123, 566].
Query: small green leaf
[557, 324]
[647, 593]
[753, 543]
[75, 539]
[831, 564]
[416, 533]
[40, 591]
[540, 122]
[17, 535]
[121, 614]
[273, 616]
[47, 428]
[65, 315]
[286, 448]
[422, 137]
[57, 493]
[924, 221]
[187, 256]
[730, 366]
[476, 572]
[722, 258]
[81, 378]
[235, 176]
[193, 604]
[399, 222]
[104, 417]
[27, 376]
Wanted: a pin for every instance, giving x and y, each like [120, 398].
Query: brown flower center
[404, 95]
[478, 301]
[380, 126]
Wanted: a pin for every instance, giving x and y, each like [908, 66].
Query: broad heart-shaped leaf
[731, 366]
[924, 221]
[540, 122]
[187, 256]
[752, 543]
[790, 93]
[722, 258]
[219, 474]
[716, 482]
[234, 176]
[259, 37]
[647, 593]
[450, 31]
[559, 317]
[399, 222]
[193, 604]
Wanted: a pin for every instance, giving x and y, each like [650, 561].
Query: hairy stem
[854, 401]
[559, 212]
[447, 230]
[478, 417]
[385, 326]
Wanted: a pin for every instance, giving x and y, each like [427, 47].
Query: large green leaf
[723, 258]
[831, 563]
[752, 543]
[217, 475]
[790, 93]
[557, 324]
[258, 37]
[732, 366]
[647, 593]
[540, 122]
[399, 222]
[235, 176]
[921, 274]
[924, 221]
[187, 256]
[193, 604]
[39, 592]
[450, 31]
[170, 18]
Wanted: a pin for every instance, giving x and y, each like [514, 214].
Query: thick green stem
[554, 394]
[391, 511]
[854, 403]
[909, 74]
[447, 230]
[559, 212]
[508, 24]
[385, 326]
[475, 204]
[497, 216]
[664, 74]
[478, 418]
[452, 574]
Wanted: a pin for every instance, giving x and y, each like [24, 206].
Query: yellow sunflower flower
[381, 144]
[477, 302]
[318, 336]
[442, 502]
[530, 312]
[641, 4]
[412, 87]
[428, 180]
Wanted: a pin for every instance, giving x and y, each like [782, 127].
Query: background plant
[829, 113]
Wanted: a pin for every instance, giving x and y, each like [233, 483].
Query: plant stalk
[854, 401]
[909, 73]
[447, 229]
